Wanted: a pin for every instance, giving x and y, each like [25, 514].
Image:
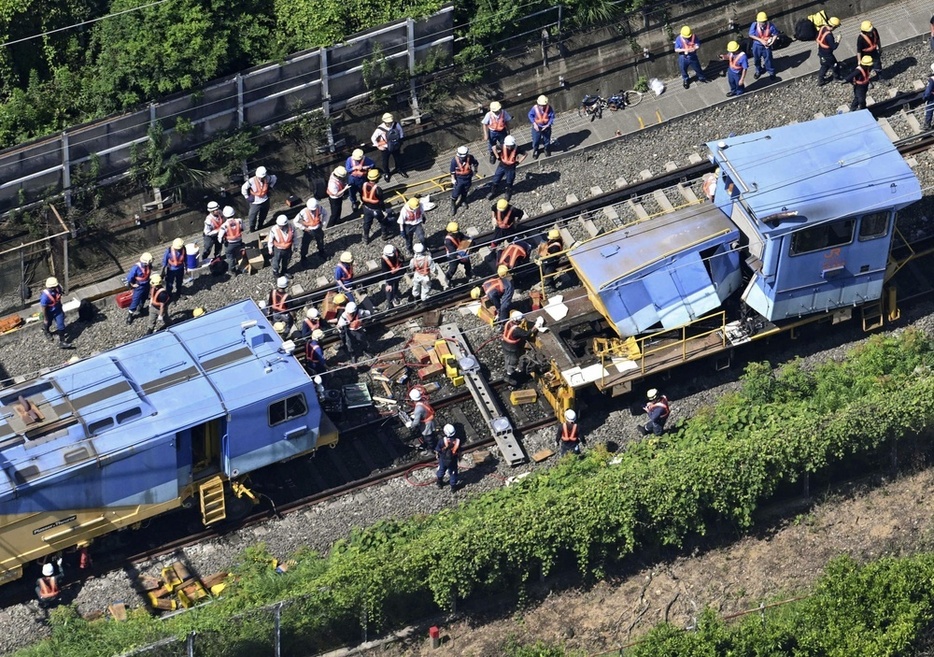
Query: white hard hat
[346, 257]
[449, 430]
[51, 281]
[282, 220]
[388, 118]
[312, 313]
[462, 150]
[317, 334]
[146, 258]
[213, 206]
[515, 315]
[415, 394]
[282, 282]
[357, 154]
[279, 327]
[388, 250]
[418, 247]
[261, 172]
[570, 415]
[229, 211]
[652, 394]
[48, 570]
[509, 141]
[312, 203]
[351, 307]
[542, 100]
[178, 243]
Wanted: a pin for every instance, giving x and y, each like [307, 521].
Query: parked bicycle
[594, 105]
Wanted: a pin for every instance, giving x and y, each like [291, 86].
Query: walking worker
[686, 45]
[391, 265]
[463, 168]
[509, 159]
[343, 274]
[388, 138]
[422, 267]
[542, 117]
[423, 417]
[256, 191]
[159, 300]
[658, 411]
[374, 206]
[859, 77]
[311, 323]
[495, 125]
[232, 236]
[569, 438]
[826, 44]
[928, 97]
[310, 221]
[515, 254]
[868, 44]
[515, 335]
[49, 587]
[50, 300]
[505, 219]
[314, 354]
[337, 190]
[736, 71]
[455, 246]
[448, 449]
[138, 280]
[279, 303]
[174, 266]
[499, 291]
[350, 325]
[358, 166]
[411, 222]
[763, 34]
[279, 243]
[550, 256]
[212, 229]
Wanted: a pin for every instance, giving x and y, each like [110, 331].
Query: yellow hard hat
[866, 26]
[156, 279]
[279, 327]
[453, 227]
[502, 204]
[197, 312]
[732, 46]
[502, 270]
[475, 293]
[542, 100]
[178, 243]
[866, 60]
[317, 334]
[51, 281]
[686, 31]
[340, 172]
[412, 203]
[146, 258]
[834, 22]
[495, 106]
[554, 234]
[372, 175]
[761, 17]
[357, 154]
[347, 257]
[339, 299]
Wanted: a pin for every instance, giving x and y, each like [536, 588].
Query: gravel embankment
[319, 526]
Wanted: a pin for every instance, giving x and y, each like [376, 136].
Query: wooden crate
[520, 397]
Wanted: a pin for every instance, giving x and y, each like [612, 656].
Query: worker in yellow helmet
[550, 251]
[859, 78]
[763, 34]
[686, 45]
[456, 246]
[738, 63]
[826, 44]
[411, 223]
[506, 218]
[868, 44]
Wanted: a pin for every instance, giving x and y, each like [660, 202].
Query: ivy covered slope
[717, 467]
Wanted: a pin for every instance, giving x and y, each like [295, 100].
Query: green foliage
[642, 84]
[307, 131]
[226, 154]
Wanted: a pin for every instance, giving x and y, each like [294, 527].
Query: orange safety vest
[216, 220]
[509, 155]
[354, 322]
[277, 301]
[310, 218]
[412, 217]
[689, 42]
[429, 411]
[454, 444]
[862, 76]
[233, 230]
[54, 295]
[312, 324]
[710, 186]
[497, 122]
[554, 247]
[48, 588]
[508, 331]
[313, 354]
[872, 43]
[143, 276]
[494, 284]
[422, 265]
[176, 258]
[282, 239]
[158, 297]
[503, 220]
[336, 186]
[344, 271]
[394, 263]
[735, 62]
[259, 187]
[822, 37]
[462, 167]
[541, 114]
[569, 432]
[370, 193]
[661, 401]
[763, 32]
[359, 169]
[512, 254]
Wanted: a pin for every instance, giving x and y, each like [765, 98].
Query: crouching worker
[448, 453]
[515, 336]
[658, 410]
[159, 300]
[569, 438]
[49, 587]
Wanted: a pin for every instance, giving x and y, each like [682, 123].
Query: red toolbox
[124, 299]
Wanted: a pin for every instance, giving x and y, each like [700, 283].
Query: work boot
[927, 125]
[63, 344]
[440, 482]
[129, 318]
[492, 157]
[453, 208]
[48, 333]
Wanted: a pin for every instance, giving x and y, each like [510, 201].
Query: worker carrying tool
[515, 336]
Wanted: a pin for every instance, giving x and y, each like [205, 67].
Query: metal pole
[239, 101]
[152, 114]
[191, 645]
[65, 264]
[66, 170]
[278, 651]
[410, 43]
[326, 98]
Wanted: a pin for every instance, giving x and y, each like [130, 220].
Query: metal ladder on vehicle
[213, 506]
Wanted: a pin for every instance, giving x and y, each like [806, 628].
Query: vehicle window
[287, 409]
[873, 225]
[821, 237]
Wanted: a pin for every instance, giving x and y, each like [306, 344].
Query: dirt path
[864, 521]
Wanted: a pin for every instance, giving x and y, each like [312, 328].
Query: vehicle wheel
[632, 97]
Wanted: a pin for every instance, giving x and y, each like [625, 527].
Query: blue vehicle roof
[824, 170]
[137, 396]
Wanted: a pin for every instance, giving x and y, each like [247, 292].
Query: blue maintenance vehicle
[139, 430]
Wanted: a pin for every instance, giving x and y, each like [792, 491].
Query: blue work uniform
[448, 454]
[929, 100]
[314, 357]
[689, 59]
[826, 44]
[138, 279]
[356, 176]
[462, 171]
[762, 54]
[50, 300]
[173, 262]
[541, 118]
[738, 62]
[343, 276]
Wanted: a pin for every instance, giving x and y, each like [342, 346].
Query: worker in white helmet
[279, 304]
[50, 300]
[448, 449]
[174, 266]
[393, 270]
[387, 138]
[310, 222]
[350, 324]
[515, 336]
[231, 236]
[312, 321]
[358, 166]
[256, 191]
[315, 361]
[422, 267]
[279, 243]
[49, 586]
[423, 420]
[658, 410]
[508, 158]
[568, 435]
[495, 125]
[542, 117]
[138, 280]
[212, 228]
